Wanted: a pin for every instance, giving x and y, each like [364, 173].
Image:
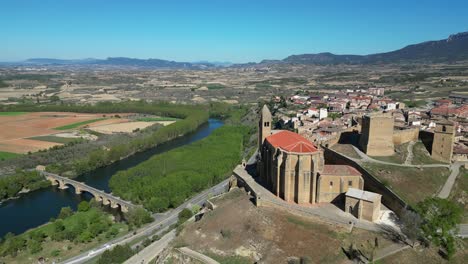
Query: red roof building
[291, 142]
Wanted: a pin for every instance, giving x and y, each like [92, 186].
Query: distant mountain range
[452, 49]
[121, 61]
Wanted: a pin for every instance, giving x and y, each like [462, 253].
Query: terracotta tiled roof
[444, 110]
[340, 170]
[291, 142]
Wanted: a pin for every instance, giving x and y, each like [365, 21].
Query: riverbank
[62, 238]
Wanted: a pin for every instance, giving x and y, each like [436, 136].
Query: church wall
[331, 187]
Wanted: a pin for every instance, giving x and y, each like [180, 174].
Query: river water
[36, 208]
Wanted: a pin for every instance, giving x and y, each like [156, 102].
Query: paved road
[153, 250]
[197, 255]
[162, 221]
[455, 170]
[463, 233]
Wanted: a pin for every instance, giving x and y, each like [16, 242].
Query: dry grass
[238, 228]
[412, 184]
[346, 149]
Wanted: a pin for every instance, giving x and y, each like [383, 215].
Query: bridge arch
[80, 187]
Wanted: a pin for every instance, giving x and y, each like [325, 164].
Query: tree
[184, 215]
[65, 212]
[34, 246]
[440, 220]
[411, 222]
[37, 235]
[138, 217]
[83, 206]
[116, 255]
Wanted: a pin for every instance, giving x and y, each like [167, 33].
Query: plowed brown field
[14, 130]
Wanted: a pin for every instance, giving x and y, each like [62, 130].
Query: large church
[294, 169]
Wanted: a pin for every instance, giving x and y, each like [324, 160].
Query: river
[36, 208]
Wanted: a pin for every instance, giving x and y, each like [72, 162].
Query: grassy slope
[422, 156]
[78, 124]
[459, 193]
[401, 152]
[8, 155]
[412, 184]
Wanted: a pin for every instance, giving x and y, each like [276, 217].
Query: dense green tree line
[10, 186]
[166, 180]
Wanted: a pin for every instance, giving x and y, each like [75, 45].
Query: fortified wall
[405, 135]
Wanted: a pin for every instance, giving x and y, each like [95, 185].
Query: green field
[12, 113]
[215, 86]
[78, 124]
[156, 119]
[55, 139]
[7, 155]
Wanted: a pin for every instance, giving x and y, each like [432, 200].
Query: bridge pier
[78, 190]
[105, 201]
[62, 185]
[114, 204]
[97, 197]
[52, 181]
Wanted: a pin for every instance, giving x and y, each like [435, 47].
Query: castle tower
[264, 126]
[442, 145]
[377, 134]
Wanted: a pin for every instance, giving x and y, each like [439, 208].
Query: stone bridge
[100, 196]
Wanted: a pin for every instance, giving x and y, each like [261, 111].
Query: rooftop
[362, 195]
[340, 170]
[291, 142]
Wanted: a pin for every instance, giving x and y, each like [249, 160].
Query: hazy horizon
[228, 31]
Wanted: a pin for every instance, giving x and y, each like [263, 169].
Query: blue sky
[220, 30]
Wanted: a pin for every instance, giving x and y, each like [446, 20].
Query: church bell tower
[264, 126]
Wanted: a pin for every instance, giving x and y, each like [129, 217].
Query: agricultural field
[7, 155]
[24, 132]
[127, 127]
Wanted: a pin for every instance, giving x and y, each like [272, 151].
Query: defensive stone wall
[390, 199]
[405, 135]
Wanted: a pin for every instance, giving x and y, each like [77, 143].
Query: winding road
[162, 221]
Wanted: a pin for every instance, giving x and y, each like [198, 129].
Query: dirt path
[390, 250]
[409, 158]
